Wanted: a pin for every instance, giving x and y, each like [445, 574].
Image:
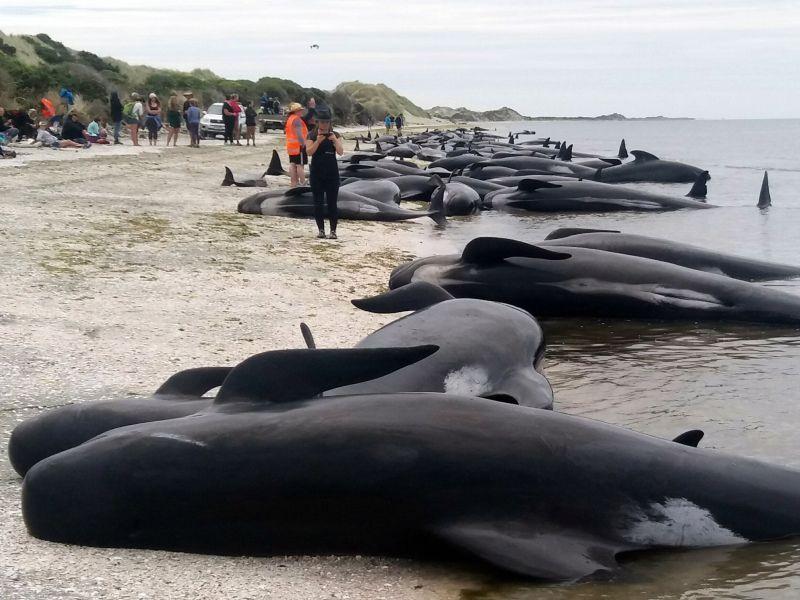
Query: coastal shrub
[7, 48]
[83, 80]
[96, 62]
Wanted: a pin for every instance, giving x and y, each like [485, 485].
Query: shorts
[299, 159]
[131, 121]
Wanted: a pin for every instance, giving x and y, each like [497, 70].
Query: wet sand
[122, 267]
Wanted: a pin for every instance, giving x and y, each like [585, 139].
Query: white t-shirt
[46, 137]
[138, 110]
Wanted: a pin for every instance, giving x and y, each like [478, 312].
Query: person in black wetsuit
[322, 145]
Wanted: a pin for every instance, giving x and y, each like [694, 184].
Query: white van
[211, 124]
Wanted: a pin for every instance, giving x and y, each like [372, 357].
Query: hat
[135, 96]
[187, 94]
[323, 113]
[152, 95]
[295, 106]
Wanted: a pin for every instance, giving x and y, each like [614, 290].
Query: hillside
[464, 114]
[36, 66]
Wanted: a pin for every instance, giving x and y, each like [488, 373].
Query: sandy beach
[122, 266]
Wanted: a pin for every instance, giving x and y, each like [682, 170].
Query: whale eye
[505, 398]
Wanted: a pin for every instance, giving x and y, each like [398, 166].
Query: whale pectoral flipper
[308, 337]
[485, 250]
[563, 232]
[550, 554]
[690, 438]
[193, 382]
[531, 185]
[292, 375]
[414, 296]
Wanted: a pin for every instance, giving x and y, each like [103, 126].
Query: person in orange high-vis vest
[296, 134]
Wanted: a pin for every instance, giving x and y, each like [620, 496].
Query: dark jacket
[116, 107]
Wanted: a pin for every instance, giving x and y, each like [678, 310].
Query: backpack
[127, 110]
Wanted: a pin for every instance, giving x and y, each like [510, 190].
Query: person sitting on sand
[153, 118]
[193, 123]
[173, 119]
[322, 145]
[95, 133]
[74, 130]
[250, 122]
[7, 129]
[24, 124]
[296, 134]
[48, 139]
[132, 113]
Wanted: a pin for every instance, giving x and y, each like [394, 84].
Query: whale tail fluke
[568, 154]
[378, 147]
[510, 138]
[623, 151]
[699, 189]
[358, 147]
[228, 179]
[275, 167]
[308, 337]
[764, 199]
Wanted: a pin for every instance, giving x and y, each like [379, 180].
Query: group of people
[135, 114]
[269, 106]
[50, 130]
[390, 120]
[322, 144]
[232, 109]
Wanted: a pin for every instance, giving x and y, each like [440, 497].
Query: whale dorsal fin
[297, 191]
[414, 296]
[764, 199]
[531, 185]
[690, 438]
[292, 375]
[623, 151]
[193, 382]
[358, 146]
[699, 189]
[548, 552]
[228, 179]
[275, 167]
[308, 337]
[484, 250]
[641, 156]
[570, 231]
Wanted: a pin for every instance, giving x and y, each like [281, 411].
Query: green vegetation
[37, 66]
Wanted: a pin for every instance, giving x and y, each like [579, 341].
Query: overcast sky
[700, 58]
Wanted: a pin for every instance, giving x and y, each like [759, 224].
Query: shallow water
[737, 382]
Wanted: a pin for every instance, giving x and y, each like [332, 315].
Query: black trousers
[326, 195]
[229, 122]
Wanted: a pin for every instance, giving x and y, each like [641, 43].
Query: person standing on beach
[250, 122]
[398, 122]
[237, 111]
[173, 119]
[193, 123]
[322, 145]
[388, 122]
[153, 122]
[187, 98]
[296, 134]
[132, 113]
[228, 117]
[116, 115]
